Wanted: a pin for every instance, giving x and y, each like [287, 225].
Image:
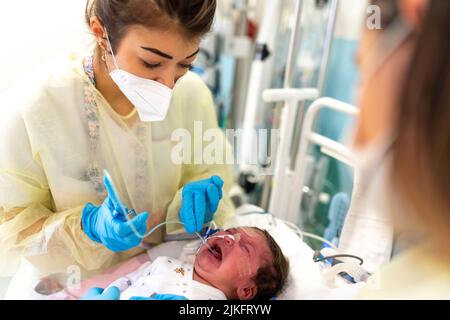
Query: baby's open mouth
[217, 252]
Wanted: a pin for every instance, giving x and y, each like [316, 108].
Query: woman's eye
[150, 65]
[186, 66]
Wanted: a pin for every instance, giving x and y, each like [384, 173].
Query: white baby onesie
[165, 276]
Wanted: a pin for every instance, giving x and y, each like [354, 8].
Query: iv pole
[279, 198]
[290, 67]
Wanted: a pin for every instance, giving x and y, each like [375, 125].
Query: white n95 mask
[150, 98]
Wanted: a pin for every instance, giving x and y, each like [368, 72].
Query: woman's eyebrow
[166, 55]
[158, 52]
[198, 50]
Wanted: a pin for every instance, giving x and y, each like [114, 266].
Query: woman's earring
[100, 44]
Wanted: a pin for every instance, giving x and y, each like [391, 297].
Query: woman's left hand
[200, 201]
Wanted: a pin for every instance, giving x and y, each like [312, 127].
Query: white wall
[33, 32]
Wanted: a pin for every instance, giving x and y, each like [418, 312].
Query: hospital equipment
[336, 216]
[348, 267]
[285, 205]
[366, 231]
[293, 50]
[296, 57]
[334, 256]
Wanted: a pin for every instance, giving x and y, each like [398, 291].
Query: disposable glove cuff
[87, 219]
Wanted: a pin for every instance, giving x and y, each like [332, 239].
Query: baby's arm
[131, 278]
[104, 279]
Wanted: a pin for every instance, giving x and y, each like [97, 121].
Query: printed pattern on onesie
[165, 276]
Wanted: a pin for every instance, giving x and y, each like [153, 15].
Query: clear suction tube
[233, 237]
[113, 193]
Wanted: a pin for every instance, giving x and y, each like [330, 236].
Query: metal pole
[258, 77]
[295, 39]
[328, 45]
[242, 72]
[290, 68]
[288, 79]
[323, 70]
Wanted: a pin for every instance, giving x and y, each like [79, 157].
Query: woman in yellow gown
[59, 131]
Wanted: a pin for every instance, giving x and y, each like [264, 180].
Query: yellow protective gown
[418, 273]
[48, 143]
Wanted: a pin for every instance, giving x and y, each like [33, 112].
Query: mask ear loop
[394, 36]
[112, 50]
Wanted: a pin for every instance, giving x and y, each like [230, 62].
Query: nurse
[113, 107]
[404, 144]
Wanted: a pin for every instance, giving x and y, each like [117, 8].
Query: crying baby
[238, 264]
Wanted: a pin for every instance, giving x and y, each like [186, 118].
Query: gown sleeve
[199, 110]
[30, 227]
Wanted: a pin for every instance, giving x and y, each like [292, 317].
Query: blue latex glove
[107, 225]
[112, 293]
[161, 297]
[200, 201]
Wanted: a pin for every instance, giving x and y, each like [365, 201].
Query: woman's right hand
[107, 225]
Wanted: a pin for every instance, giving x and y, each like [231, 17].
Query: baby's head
[251, 267]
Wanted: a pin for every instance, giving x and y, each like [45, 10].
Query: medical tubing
[361, 261]
[223, 236]
[155, 228]
[159, 226]
[313, 236]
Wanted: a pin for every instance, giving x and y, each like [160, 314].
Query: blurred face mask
[150, 98]
[376, 205]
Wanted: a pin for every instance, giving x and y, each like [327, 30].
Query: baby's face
[237, 262]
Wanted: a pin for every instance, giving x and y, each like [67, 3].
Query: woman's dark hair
[271, 277]
[192, 17]
[422, 150]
